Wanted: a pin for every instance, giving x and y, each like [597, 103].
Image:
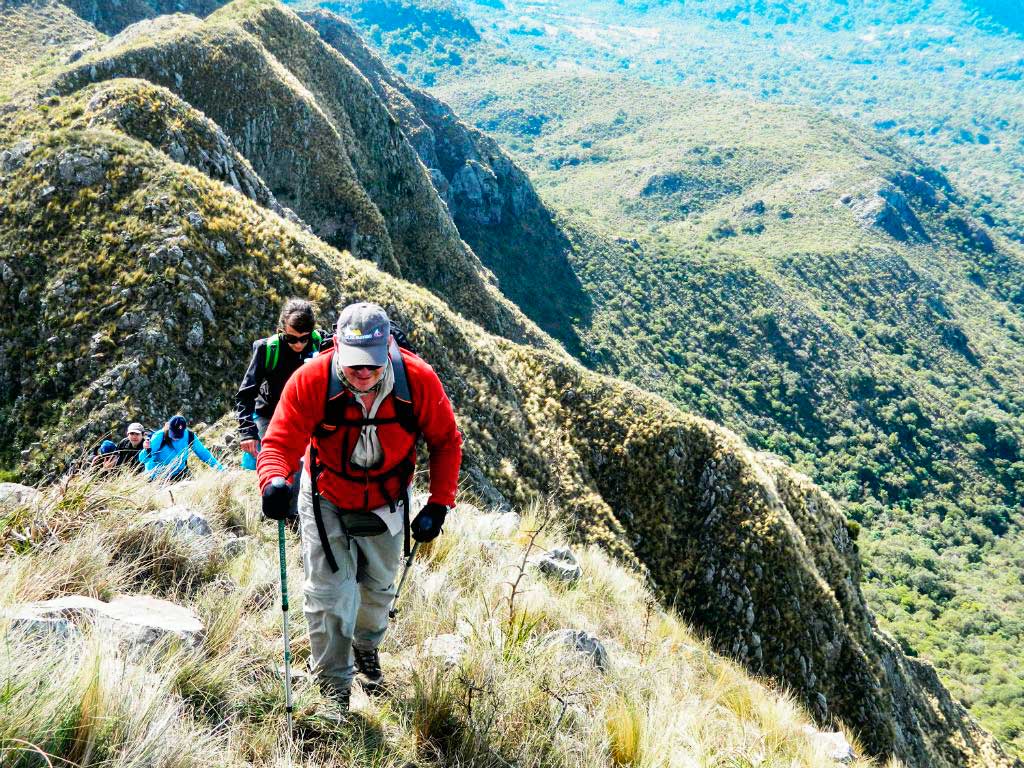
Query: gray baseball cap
[136, 427]
[362, 335]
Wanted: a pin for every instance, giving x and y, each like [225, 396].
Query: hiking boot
[368, 665]
[338, 700]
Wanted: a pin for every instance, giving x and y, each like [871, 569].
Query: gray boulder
[582, 642]
[12, 159]
[560, 564]
[183, 521]
[17, 495]
[79, 167]
[833, 744]
[139, 621]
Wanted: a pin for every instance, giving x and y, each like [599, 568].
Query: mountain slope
[491, 200]
[827, 296]
[146, 276]
[333, 153]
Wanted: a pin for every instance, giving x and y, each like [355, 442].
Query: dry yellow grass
[665, 699]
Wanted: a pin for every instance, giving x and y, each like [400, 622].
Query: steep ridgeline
[143, 248]
[357, 203]
[315, 132]
[490, 199]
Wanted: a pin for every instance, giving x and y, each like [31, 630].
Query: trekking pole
[284, 614]
[405, 572]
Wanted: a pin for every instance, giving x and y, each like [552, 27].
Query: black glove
[277, 499]
[428, 522]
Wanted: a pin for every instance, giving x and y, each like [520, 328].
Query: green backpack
[274, 347]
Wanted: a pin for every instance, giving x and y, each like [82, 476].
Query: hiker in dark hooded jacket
[130, 447]
[274, 360]
[105, 458]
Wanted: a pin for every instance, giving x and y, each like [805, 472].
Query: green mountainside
[165, 190]
[830, 298]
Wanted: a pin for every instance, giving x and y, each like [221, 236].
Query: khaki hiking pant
[350, 606]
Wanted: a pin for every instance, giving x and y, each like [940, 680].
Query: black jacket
[128, 455]
[261, 389]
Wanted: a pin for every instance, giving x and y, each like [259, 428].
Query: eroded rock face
[139, 622]
[886, 208]
[489, 198]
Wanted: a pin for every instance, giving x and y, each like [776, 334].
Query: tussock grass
[665, 700]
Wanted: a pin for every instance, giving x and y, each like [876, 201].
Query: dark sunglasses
[365, 367]
[287, 338]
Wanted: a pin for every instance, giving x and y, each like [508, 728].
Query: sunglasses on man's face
[289, 339]
[364, 367]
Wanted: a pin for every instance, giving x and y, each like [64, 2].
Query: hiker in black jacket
[130, 446]
[274, 360]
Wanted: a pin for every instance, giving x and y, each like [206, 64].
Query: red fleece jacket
[301, 409]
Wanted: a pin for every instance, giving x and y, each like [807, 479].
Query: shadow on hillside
[534, 270]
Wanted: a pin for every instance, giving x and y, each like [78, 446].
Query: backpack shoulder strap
[401, 391]
[272, 349]
[191, 437]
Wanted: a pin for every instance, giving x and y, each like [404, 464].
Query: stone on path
[139, 621]
[582, 642]
[183, 521]
[832, 743]
[448, 648]
[560, 564]
[17, 495]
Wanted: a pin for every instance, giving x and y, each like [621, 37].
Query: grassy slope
[727, 274]
[666, 699]
[35, 38]
[201, 259]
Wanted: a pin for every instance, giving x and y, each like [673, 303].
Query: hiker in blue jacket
[167, 455]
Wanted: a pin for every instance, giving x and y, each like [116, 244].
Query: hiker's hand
[277, 499]
[249, 446]
[428, 522]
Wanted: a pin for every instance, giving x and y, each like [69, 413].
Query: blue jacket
[168, 458]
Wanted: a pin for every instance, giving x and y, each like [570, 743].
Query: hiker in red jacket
[360, 409]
